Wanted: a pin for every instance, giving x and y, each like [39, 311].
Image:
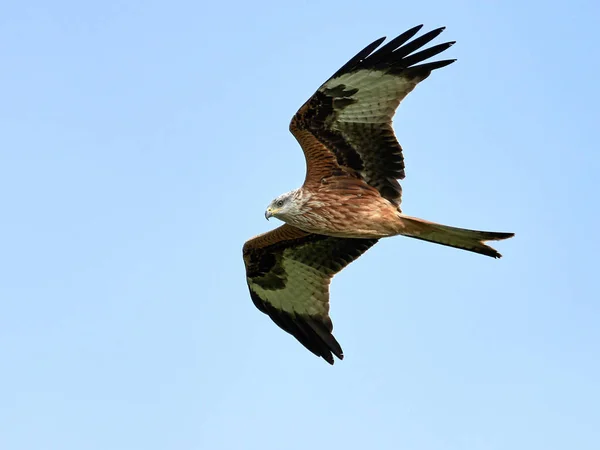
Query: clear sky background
[140, 143]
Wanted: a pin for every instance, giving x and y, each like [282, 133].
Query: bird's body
[350, 197]
[360, 213]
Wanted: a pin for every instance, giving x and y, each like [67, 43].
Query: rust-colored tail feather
[471, 240]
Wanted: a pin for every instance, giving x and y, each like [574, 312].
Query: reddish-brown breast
[346, 207]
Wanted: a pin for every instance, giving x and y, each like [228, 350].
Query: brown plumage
[351, 196]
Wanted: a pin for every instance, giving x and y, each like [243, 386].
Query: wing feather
[345, 128]
[288, 273]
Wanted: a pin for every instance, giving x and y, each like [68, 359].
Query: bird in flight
[351, 196]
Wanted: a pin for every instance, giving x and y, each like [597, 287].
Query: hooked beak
[268, 213]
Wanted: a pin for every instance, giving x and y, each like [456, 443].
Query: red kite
[351, 196]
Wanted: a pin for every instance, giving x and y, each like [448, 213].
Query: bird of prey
[351, 196]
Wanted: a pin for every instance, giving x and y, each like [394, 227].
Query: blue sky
[140, 143]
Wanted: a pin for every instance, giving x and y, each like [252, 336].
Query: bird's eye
[279, 203]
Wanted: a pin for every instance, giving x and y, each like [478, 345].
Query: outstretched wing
[288, 273]
[345, 128]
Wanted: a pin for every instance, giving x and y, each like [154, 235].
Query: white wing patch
[378, 96]
[306, 291]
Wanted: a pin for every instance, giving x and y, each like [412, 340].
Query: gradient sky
[140, 143]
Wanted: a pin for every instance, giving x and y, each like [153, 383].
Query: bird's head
[282, 206]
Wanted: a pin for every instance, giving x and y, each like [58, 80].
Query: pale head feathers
[286, 205]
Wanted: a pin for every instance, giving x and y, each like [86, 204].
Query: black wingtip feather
[392, 45]
[425, 54]
[311, 334]
[326, 337]
[359, 57]
[423, 70]
[398, 54]
[305, 337]
[417, 43]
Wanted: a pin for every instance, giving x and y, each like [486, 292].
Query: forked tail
[471, 240]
